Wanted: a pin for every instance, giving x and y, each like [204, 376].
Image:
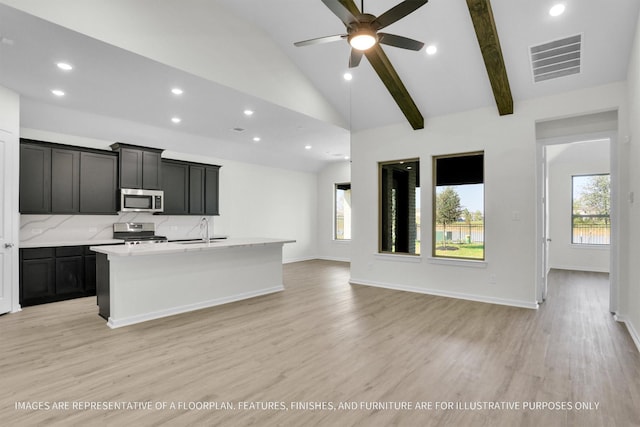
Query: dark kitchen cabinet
[190, 188]
[35, 179]
[98, 183]
[196, 190]
[56, 274]
[211, 189]
[65, 181]
[37, 276]
[61, 179]
[140, 167]
[69, 270]
[175, 183]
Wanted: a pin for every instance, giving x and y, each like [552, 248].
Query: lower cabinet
[56, 274]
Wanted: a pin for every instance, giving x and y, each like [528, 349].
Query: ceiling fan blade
[354, 59]
[381, 64]
[487, 34]
[338, 9]
[320, 40]
[396, 13]
[399, 41]
[350, 6]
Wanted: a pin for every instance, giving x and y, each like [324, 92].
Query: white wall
[565, 161]
[508, 275]
[328, 247]
[630, 295]
[255, 201]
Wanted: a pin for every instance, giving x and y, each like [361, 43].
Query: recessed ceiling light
[307, 147]
[65, 66]
[347, 157]
[348, 76]
[248, 112]
[57, 92]
[176, 120]
[177, 91]
[256, 139]
[557, 10]
[431, 49]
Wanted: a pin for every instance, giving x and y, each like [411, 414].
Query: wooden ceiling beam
[485, 26]
[382, 66]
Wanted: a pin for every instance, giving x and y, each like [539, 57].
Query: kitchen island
[137, 283]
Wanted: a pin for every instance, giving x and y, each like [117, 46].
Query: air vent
[556, 59]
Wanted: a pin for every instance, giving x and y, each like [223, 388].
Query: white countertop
[70, 243]
[175, 247]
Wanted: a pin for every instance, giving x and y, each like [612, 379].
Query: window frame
[335, 211]
[573, 216]
[434, 223]
[380, 207]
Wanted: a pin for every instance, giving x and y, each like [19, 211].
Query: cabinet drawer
[69, 251]
[37, 253]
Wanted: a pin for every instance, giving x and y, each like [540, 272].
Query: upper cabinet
[35, 179]
[59, 179]
[190, 188]
[62, 179]
[98, 183]
[140, 167]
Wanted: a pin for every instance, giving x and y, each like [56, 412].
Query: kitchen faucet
[204, 223]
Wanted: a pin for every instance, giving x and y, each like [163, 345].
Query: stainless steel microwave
[137, 200]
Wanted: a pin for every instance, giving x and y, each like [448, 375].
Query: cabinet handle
[8, 245]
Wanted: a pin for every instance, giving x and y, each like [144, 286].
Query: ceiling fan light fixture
[363, 39]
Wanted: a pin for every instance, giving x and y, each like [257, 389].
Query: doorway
[574, 234]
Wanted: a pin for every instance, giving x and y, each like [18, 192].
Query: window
[342, 218]
[458, 204]
[399, 207]
[590, 222]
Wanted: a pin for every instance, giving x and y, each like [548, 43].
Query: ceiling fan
[365, 39]
[365, 27]
[362, 29]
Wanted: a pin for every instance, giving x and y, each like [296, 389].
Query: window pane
[591, 209]
[400, 207]
[459, 207]
[343, 212]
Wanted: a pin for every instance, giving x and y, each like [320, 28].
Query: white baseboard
[440, 293]
[330, 258]
[631, 328]
[579, 268]
[292, 260]
[126, 321]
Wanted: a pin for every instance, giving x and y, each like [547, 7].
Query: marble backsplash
[48, 229]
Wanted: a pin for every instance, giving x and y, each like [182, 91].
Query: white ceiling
[227, 64]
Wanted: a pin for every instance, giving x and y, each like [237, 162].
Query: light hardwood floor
[323, 340]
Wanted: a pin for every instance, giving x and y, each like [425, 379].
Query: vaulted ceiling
[231, 55]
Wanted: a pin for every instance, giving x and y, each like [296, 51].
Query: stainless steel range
[136, 233]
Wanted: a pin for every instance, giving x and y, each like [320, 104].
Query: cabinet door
[211, 187]
[35, 179]
[151, 170]
[70, 275]
[196, 190]
[98, 183]
[37, 280]
[130, 168]
[65, 181]
[175, 183]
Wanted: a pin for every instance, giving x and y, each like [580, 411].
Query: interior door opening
[576, 209]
